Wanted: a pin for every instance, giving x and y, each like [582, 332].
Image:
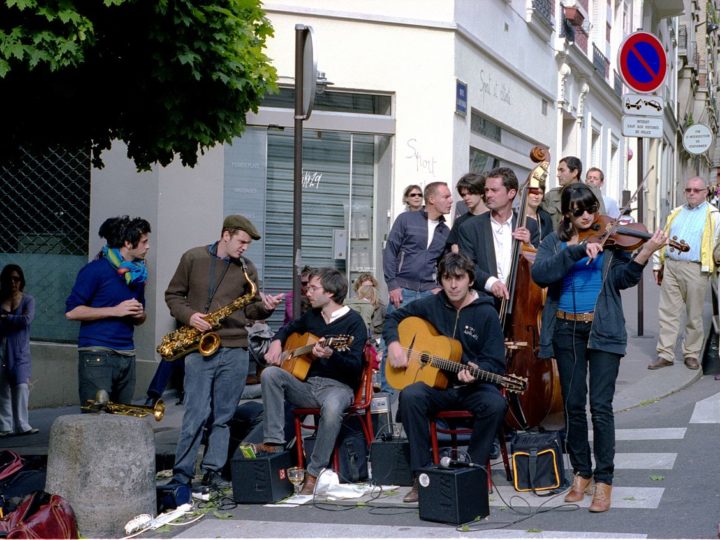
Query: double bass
[520, 316]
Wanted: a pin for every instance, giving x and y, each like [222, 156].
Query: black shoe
[151, 401]
[214, 481]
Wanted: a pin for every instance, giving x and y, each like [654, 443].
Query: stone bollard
[104, 465]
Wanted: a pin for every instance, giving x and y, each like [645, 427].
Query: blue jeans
[213, 386]
[408, 295]
[419, 401]
[162, 376]
[330, 396]
[575, 361]
[109, 371]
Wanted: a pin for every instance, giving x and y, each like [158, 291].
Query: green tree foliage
[167, 77]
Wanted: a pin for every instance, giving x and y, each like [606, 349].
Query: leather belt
[580, 317]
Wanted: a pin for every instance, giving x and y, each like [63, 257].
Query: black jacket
[476, 241]
[476, 327]
[552, 263]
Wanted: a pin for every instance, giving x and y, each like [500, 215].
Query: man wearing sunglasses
[683, 277]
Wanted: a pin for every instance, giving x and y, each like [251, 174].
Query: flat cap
[236, 221]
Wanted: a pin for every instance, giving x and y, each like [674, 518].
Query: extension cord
[137, 523]
[172, 515]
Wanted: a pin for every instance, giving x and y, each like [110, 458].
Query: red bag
[40, 515]
[10, 463]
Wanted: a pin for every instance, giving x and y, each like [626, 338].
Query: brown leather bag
[40, 515]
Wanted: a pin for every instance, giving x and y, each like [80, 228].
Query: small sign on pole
[642, 62]
[642, 126]
[697, 139]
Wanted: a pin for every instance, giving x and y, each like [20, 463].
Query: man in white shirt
[595, 177]
[488, 238]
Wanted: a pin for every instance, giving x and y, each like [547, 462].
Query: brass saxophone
[187, 339]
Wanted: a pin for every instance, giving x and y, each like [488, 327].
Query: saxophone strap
[212, 288]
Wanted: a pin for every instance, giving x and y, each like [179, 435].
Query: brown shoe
[580, 487]
[691, 363]
[660, 363]
[412, 495]
[263, 448]
[309, 485]
[601, 498]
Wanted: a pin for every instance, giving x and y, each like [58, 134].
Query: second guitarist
[461, 313]
[333, 377]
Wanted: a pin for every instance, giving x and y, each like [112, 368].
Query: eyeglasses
[694, 190]
[15, 279]
[580, 211]
[415, 195]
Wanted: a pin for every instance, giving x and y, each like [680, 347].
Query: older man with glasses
[683, 277]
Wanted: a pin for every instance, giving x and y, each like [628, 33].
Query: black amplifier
[453, 495]
[262, 479]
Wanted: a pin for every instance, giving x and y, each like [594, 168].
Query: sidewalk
[636, 385]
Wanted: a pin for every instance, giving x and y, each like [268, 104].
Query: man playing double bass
[488, 238]
[469, 317]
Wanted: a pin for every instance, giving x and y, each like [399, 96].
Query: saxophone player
[208, 278]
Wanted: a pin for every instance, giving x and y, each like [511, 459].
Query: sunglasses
[694, 190]
[415, 195]
[580, 211]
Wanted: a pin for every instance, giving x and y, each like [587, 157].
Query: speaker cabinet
[260, 480]
[390, 461]
[453, 495]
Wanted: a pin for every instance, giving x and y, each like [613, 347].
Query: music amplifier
[453, 495]
[390, 462]
[262, 479]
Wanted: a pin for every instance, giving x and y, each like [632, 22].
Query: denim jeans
[213, 386]
[419, 401]
[109, 371]
[408, 295]
[162, 376]
[575, 361]
[330, 396]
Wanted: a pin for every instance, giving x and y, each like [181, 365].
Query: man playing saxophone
[207, 279]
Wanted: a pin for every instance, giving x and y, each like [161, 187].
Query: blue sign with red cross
[642, 62]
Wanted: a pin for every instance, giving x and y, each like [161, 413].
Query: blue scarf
[135, 272]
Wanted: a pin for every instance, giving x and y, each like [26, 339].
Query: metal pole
[297, 168]
[641, 217]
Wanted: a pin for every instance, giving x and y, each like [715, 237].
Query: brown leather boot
[601, 498]
[580, 487]
[309, 485]
[412, 496]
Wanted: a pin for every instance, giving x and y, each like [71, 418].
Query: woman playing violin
[583, 328]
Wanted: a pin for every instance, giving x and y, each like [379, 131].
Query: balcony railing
[617, 83]
[600, 63]
[544, 9]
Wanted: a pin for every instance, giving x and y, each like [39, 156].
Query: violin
[610, 233]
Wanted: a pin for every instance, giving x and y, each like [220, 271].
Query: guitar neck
[456, 367]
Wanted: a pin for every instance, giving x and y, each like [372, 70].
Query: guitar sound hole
[424, 358]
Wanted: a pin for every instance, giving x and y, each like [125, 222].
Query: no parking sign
[642, 62]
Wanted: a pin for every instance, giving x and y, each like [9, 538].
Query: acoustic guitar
[296, 357]
[432, 354]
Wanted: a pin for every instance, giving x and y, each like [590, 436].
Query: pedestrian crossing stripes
[230, 528]
[707, 411]
[648, 434]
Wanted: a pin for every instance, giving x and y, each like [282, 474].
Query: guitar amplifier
[390, 461]
[381, 416]
[262, 479]
[453, 495]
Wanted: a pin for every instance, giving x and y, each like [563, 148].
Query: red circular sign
[642, 62]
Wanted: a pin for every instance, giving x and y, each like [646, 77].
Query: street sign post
[642, 126]
[642, 62]
[697, 139]
[642, 105]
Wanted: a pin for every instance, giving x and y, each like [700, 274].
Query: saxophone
[187, 339]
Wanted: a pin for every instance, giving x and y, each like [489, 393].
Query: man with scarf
[108, 299]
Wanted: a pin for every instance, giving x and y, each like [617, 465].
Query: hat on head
[236, 221]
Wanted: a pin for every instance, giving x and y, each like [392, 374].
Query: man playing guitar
[333, 377]
[469, 317]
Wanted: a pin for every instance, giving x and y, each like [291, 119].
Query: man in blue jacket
[461, 313]
[415, 244]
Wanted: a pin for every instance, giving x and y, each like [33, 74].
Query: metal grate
[44, 221]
